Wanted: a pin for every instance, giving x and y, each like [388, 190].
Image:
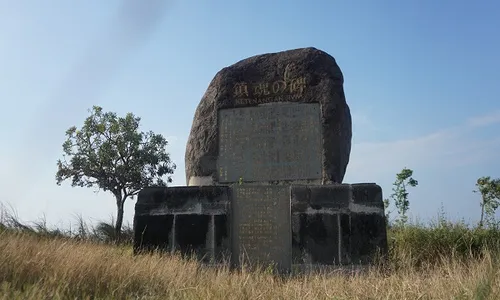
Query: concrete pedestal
[335, 224]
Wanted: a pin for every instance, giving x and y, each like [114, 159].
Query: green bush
[418, 245]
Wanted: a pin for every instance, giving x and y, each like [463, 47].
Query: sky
[422, 80]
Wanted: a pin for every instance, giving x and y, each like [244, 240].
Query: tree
[490, 197]
[111, 154]
[400, 194]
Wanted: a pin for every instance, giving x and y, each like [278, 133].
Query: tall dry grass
[40, 267]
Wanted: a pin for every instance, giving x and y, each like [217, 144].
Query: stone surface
[339, 223]
[368, 237]
[190, 220]
[281, 224]
[174, 200]
[305, 75]
[368, 194]
[152, 232]
[318, 239]
[310, 198]
[261, 226]
[271, 143]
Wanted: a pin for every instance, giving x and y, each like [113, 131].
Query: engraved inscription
[261, 216]
[241, 89]
[292, 86]
[288, 89]
[276, 142]
[280, 98]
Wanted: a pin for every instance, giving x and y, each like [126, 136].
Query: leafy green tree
[400, 194]
[490, 197]
[111, 154]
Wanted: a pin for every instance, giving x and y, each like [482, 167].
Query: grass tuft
[442, 261]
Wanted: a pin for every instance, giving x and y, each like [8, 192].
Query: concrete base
[333, 225]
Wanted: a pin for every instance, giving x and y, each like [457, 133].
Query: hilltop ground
[443, 261]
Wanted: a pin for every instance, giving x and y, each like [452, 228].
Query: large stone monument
[291, 104]
[265, 160]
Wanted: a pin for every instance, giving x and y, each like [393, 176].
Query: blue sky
[422, 79]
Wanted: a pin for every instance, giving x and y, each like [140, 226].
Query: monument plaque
[261, 219]
[270, 143]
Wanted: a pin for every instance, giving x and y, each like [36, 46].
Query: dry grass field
[39, 267]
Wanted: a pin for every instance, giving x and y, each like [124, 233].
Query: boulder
[305, 75]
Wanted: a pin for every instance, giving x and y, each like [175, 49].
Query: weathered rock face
[306, 75]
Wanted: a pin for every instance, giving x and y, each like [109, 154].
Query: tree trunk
[119, 216]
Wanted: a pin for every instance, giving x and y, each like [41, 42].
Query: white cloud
[484, 120]
[451, 147]
[446, 162]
